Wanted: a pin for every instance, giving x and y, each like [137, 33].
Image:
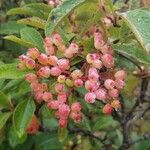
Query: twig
[145, 111]
[144, 86]
[85, 133]
[140, 100]
[76, 130]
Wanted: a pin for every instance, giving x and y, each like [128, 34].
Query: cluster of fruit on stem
[55, 64]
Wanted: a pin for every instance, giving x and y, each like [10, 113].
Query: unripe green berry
[69, 83]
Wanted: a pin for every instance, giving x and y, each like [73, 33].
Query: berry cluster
[54, 65]
[99, 88]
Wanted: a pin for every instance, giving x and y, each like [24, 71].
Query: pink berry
[109, 84]
[30, 64]
[78, 83]
[38, 97]
[47, 96]
[55, 71]
[113, 93]
[76, 107]
[44, 72]
[33, 53]
[76, 116]
[23, 59]
[76, 74]
[90, 97]
[61, 78]
[36, 87]
[107, 109]
[62, 98]
[49, 46]
[93, 74]
[63, 64]
[121, 74]
[107, 21]
[64, 111]
[44, 86]
[106, 49]
[42, 59]
[91, 57]
[119, 84]
[108, 60]
[56, 39]
[101, 94]
[98, 40]
[68, 54]
[52, 60]
[74, 48]
[53, 104]
[59, 88]
[31, 77]
[91, 85]
[97, 64]
[63, 123]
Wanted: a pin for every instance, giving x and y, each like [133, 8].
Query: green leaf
[133, 51]
[10, 27]
[14, 140]
[104, 122]
[23, 115]
[19, 41]
[24, 11]
[58, 14]
[10, 71]
[35, 9]
[3, 118]
[139, 22]
[47, 141]
[4, 100]
[86, 17]
[77, 60]
[40, 7]
[33, 21]
[33, 36]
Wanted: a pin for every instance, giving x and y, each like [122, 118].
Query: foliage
[125, 26]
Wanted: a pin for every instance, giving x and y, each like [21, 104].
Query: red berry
[107, 109]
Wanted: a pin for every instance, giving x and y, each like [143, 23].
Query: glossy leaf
[57, 14]
[44, 141]
[19, 41]
[104, 123]
[3, 118]
[33, 21]
[34, 9]
[139, 22]
[33, 36]
[23, 115]
[4, 100]
[10, 71]
[10, 27]
[86, 17]
[134, 51]
[13, 139]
